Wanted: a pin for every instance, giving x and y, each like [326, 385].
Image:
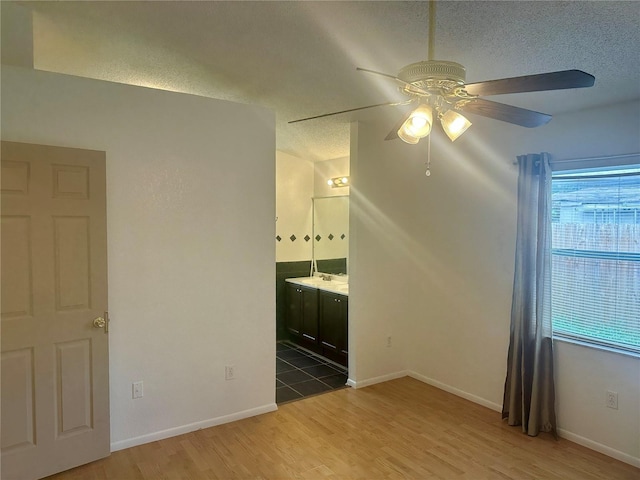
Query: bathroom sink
[319, 281]
[342, 287]
[312, 280]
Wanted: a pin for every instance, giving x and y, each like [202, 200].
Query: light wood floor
[398, 429]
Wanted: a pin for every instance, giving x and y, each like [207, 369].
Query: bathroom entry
[313, 357]
[300, 373]
[312, 238]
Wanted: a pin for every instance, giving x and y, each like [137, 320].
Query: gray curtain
[529, 395]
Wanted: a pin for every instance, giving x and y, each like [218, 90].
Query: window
[596, 258]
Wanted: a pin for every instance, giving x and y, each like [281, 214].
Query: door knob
[102, 322]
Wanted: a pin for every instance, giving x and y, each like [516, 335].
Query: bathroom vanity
[317, 314]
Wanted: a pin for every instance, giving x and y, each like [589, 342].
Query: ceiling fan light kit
[438, 88]
[406, 137]
[454, 124]
[417, 125]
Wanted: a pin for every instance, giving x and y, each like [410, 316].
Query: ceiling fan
[438, 90]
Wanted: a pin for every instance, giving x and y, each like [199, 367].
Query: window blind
[596, 258]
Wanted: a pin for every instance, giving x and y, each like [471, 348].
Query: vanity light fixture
[338, 182]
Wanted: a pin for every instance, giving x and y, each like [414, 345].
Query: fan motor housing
[422, 73]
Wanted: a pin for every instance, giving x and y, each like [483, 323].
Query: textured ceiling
[299, 58]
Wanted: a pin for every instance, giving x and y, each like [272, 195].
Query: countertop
[338, 284]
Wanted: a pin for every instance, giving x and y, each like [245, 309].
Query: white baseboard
[585, 442]
[598, 447]
[460, 393]
[374, 380]
[172, 432]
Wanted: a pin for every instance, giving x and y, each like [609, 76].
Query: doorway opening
[301, 373]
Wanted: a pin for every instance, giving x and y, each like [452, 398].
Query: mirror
[331, 234]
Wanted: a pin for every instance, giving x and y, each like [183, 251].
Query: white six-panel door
[55, 377]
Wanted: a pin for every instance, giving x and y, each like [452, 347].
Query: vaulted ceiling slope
[300, 58]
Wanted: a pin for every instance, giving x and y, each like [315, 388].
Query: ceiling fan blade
[410, 87]
[393, 134]
[506, 113]
[344, 111]
[532, 83]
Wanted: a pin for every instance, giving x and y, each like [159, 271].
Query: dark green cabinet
[319, 321]
[302, 315]
[333, 334]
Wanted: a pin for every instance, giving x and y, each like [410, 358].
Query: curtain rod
[589, 159]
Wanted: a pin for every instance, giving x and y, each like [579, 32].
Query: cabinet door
[332, 323]
[309, 305]
[343, 344]
[294, 310]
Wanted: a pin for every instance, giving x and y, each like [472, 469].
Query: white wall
[432, 265]
[379, 260]
[294, 189]
[190, 216]
[17, 35]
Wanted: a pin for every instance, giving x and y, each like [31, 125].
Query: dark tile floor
[300, 373]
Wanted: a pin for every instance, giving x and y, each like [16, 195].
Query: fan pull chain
[428, 172]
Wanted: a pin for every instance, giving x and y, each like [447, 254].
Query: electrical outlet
[138, 391]
[229, 372]
[389, 341]
[612, 400]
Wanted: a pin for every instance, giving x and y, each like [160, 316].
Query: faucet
[325, 277]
